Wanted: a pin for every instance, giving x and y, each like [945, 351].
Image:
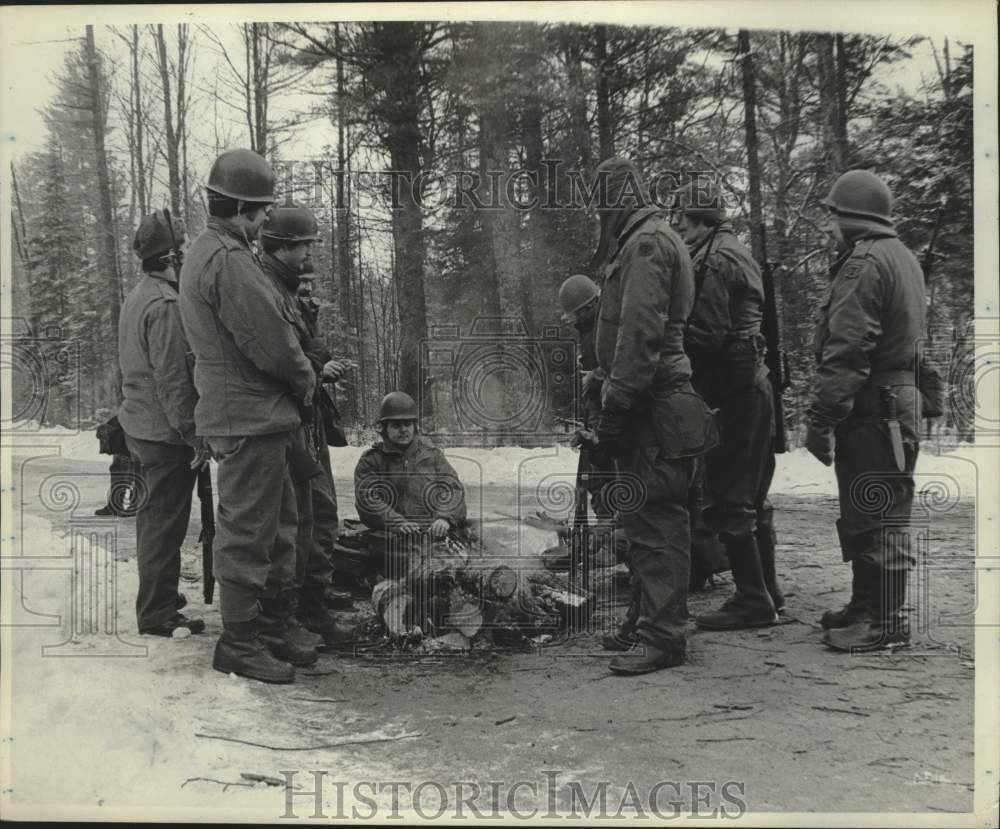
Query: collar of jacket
[629, 223]
[275, 267]
[418, 445]
[229, 228]
[725, 226]
[165, 276]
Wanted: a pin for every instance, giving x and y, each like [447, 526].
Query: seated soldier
[403, 484]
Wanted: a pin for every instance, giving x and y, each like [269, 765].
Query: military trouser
[256, 521]
[164, 510]
[739, 470]
[659, 536]
[123, 472]
[875, 497]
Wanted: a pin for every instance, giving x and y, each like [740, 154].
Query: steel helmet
[397, 405]
[154, 237]
[860, 194]
[242, 175]
[575, 293]
[291, 223]
[701, 200]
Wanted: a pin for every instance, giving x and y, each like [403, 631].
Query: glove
[440, 527]
[583, 439]
[819, 441]
[611, 432]
[202, 453]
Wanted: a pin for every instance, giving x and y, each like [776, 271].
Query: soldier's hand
[407, 528]
[583, 438]
[202, 454]
[333, 371]
[440, 527]
[819, 442]
[611, 432]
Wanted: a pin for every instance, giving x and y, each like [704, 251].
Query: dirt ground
[801, 727]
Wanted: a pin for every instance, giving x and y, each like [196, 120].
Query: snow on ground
[797, 472]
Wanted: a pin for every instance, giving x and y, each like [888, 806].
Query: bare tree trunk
[140, 160]
[578, 99]
[605, 136]
[183, 55]
[173, 162]
[107, 220]
[343, 219]
[827, 77]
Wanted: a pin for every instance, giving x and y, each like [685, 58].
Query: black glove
[819, 440]
[611, 432]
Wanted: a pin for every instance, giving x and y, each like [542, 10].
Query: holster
[303, 464]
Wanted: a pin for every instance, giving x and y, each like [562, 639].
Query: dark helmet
[291, 223]
[153, 238]
[242, 175]
[700, 200]
[861, 195]
[576, 292]
[397, 405]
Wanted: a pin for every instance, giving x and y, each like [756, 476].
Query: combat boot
[625, 637]
[275, 633]
[751, 605]
[240, 651]
[882, 622]
[336, 599]
[316, 617]
[297, 632]
[644, 658]
[766, 543]
[854, 609]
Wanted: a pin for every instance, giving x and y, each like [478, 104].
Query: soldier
[724, 342]
[157, 415]
[651, 418]
[403, 483]
[254, 385]
[287, 238]
[865, 400]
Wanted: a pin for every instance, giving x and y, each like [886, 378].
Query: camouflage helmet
[242, 175]
[859, 194]
[397, 405]
[576, 292]
[291, 223]
[154, 237]
[700, 199]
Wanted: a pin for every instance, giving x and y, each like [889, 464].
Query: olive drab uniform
[252, 379]
[871, 322]
[726, 347]
[312, 562]
[646, 297]
[157, 416]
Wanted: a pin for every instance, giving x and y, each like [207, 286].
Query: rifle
[775, 359]
[207, 536]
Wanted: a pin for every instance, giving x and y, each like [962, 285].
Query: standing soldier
[287, 238]
[726, 348]
[865, 396]
[254, 385]
[157, 415]
[651, 418]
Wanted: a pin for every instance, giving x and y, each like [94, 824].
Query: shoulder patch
[853, 269]
[646, 247]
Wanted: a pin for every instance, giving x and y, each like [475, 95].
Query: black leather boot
[854, 609]
[751, 605]
[625, 637]
[882, 622]
[240, 651]
[315, 616]
[276, 634]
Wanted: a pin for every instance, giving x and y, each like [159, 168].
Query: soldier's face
[832, 229]
[401, 432]
[299, 257]
[693, 232]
